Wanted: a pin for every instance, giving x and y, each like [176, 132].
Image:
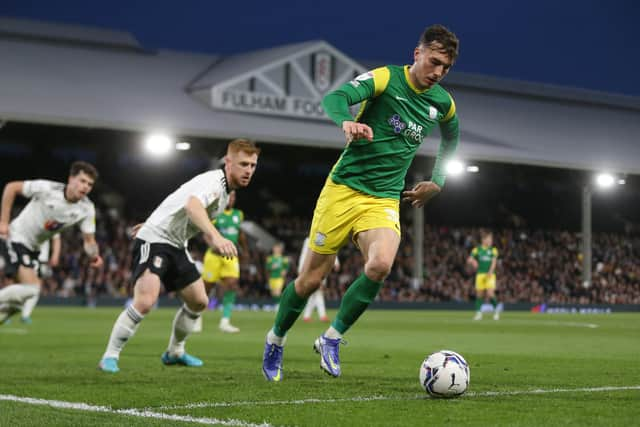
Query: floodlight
[183, 146]
[158, 144]
[605, 180]
[473, 169]
[454, 167]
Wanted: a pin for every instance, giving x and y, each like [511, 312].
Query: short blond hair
[241, 144]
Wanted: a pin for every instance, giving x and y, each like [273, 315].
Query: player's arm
[92, 249]
[364, 87]
[494, 262]
[450, 137]
[424, 191]
[471, 260]
[11, 190]
[54, 259]
[198, 215]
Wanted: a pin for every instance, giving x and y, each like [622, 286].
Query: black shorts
[173, 266]
[15, 255]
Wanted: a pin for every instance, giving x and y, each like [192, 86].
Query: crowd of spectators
[534, 266]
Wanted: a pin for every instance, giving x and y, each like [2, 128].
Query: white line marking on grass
[388, 398]
[553, 390]
[13, 331]
[131, 412]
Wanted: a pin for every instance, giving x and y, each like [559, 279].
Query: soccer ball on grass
[444, 374]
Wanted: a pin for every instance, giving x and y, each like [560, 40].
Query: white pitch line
[13, 331]
[388, 398]
[131, 412]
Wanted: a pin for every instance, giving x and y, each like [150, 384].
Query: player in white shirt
[53, 207]
[316, 299]
[160, 254]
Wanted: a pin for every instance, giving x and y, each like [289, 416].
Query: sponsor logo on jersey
[397, 124]
[320, 238]
[362, 77]
[433, 113]
[53, 225]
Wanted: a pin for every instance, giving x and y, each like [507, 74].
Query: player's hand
[54, 262]
[355, 130]
[421, 193]
[96, 262]
[134, 230]
[225, 247]
[4, 230]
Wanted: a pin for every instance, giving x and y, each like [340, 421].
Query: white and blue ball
[445, 374]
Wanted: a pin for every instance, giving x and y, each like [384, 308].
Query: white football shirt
[48, 213]
[170, 224]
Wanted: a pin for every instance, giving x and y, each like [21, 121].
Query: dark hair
[80, 166]
[446, 39]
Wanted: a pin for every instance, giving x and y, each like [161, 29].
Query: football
[445, 374]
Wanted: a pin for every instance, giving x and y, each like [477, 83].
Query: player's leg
[230, 274]
[320, 305]
[480, 291]
[379, 247]
[230, 286]
[29, 275]
[145, 295]
[195, 302]
[311, 304]
[294, 298]
[491, 295]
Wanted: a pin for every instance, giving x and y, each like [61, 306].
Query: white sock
[272, 338]
[30, 303]
[332, 333]
[124, 328]
[18, 293]
[322, 311]
[183, 325]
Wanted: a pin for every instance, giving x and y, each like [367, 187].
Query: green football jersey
[228, 224]
[277, 266]
[401, 116]
[485, 257]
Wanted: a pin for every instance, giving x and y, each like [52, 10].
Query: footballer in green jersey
[483, 259]
[225, 270]
[277, 266]
[400, 105]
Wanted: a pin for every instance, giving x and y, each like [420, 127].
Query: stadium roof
[60, 74]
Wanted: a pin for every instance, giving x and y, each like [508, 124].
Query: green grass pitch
[526, 370]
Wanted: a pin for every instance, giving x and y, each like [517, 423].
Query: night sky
[588, 44]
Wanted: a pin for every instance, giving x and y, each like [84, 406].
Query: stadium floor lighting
[605, 180]
[455, 167]
[158, 144]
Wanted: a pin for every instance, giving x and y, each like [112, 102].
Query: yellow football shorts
[276, 284]
[216, 267]
[342, 211]
[485, 281]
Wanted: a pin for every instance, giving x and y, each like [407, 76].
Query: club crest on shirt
[53, 225]
[397, 124]
[320, 238]
[157, 262]
[433, 113]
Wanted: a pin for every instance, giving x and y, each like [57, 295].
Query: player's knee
[143, 305]
[378, 269]
[199, 304]
[308, 284]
